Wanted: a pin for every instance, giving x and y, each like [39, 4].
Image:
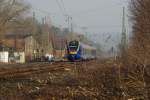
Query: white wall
[4, 56]
[19, 57]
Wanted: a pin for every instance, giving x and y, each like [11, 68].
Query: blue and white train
[77, 51]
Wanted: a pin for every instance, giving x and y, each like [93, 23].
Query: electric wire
[44, 12]
[63, 10]
[60, 7]
[63, 5]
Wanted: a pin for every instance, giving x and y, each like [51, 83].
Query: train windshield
[73, 45]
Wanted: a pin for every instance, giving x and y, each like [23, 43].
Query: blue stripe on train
[74, 57]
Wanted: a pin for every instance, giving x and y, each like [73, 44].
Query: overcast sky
[97, 15]
[103, 18]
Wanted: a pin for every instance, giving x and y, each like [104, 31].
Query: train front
[74, 51]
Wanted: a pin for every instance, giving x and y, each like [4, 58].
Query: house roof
[6, 48]
[18, 44]
[13, 36]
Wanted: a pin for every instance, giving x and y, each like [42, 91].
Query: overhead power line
[67, 16]
[45, 12]
[60, 7]
[63, 5]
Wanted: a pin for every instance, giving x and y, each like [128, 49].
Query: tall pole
[71, 25]
[68, 22]
[33, 23]
[124, 38]
[33, 35]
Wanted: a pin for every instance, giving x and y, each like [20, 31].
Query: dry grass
[93, 80]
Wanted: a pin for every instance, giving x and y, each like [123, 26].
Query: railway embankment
[99, 80]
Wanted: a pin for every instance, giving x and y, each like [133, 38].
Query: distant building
[59, 47]
[11, 44]
[32, 47]
[35, 49]
[17, 45]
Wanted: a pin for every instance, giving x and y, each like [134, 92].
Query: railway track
[29, 69]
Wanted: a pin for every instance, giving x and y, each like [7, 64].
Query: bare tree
[10, 11]
[139, 52]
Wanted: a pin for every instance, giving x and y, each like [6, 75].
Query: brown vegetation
[96, 80]
[11, 12]
[140, 11]
[136, 83]
[103, 80]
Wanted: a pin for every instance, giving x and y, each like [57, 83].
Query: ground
[90, 80]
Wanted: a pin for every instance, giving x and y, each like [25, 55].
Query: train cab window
[73, 45]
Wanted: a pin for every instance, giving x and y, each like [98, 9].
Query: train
[78, 51]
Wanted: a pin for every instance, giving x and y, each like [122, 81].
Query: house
[59, 47]
[35, 49]
[10, 44]
[32, 48]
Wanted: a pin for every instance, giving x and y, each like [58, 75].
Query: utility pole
[49, 35]
[69, 21]
[33, 33]
[33, 36]
[124, 60]
[85, 31]
[71, 25]
[124, 37]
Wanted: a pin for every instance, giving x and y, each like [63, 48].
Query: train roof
[87, 46]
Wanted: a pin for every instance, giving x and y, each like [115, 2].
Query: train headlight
[73, 53]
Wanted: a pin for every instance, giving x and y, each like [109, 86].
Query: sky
[93, 16]
[101, 20]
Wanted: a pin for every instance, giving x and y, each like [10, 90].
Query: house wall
[30, 46]
[19, 57]
[18, 44]
[34, 50]
[4, 57]
[59, 53]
